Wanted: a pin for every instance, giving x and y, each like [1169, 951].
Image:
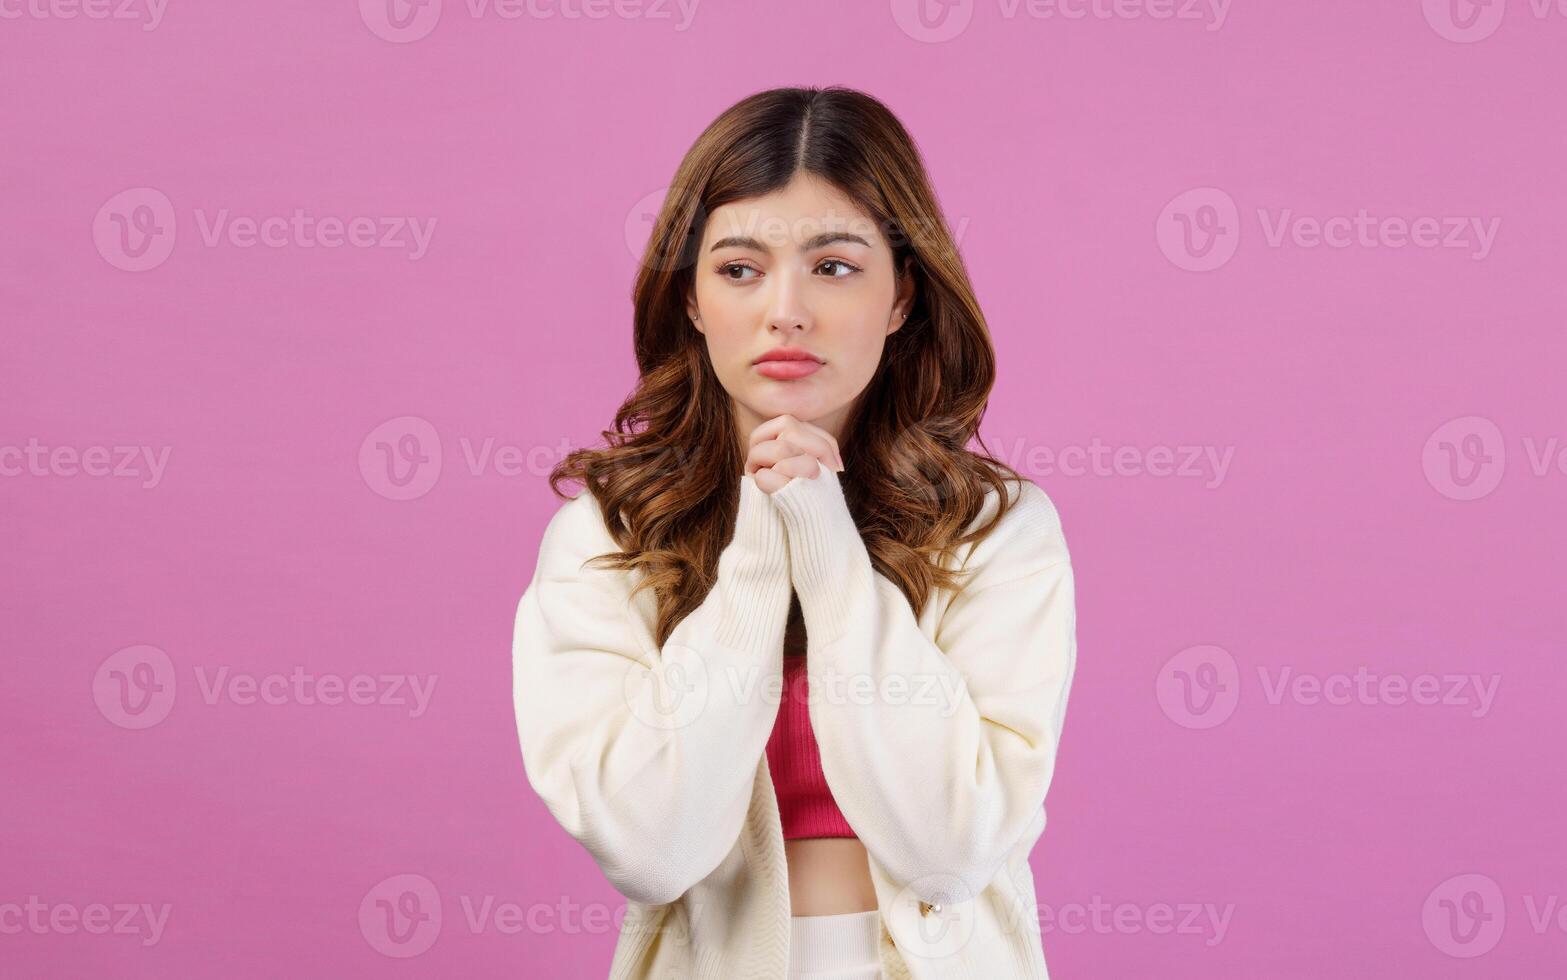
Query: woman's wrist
[753, 575]
[828, 564]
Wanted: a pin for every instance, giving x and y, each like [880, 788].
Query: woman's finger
[808, 437]
[770, 452]
[803, 465]
[822, 442]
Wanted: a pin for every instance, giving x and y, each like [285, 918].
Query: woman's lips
[788, 370]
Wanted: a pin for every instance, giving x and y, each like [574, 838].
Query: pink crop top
[805, 804]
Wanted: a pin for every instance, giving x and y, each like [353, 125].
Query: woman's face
[803, 270]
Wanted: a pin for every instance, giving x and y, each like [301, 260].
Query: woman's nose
[787, 309]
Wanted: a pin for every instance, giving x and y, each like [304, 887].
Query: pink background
[1358, 840]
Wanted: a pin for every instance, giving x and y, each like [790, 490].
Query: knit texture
[634, 748]
[982, 739]
[937, 733]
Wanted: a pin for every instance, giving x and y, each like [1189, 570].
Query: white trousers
[835, 947]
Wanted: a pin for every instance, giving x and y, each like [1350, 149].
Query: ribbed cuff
[828, 563]
[753, 576]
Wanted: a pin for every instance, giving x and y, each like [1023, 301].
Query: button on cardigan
[938, 732]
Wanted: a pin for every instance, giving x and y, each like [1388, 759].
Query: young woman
[794, 669]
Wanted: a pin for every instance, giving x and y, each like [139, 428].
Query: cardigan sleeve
[939, 753]
[648, 757]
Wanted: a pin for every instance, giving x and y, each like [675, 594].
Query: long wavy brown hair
[667, 478]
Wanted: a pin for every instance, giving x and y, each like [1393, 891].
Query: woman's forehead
[773, 224]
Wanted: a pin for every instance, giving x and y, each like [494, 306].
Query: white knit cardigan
[938, 732]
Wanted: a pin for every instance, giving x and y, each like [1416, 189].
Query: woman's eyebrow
[818, 241]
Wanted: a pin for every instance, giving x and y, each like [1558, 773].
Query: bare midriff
[827, 875]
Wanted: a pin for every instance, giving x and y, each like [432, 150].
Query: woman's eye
[736, 272]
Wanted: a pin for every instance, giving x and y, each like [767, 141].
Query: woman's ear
[903, 299]
[692, 313]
